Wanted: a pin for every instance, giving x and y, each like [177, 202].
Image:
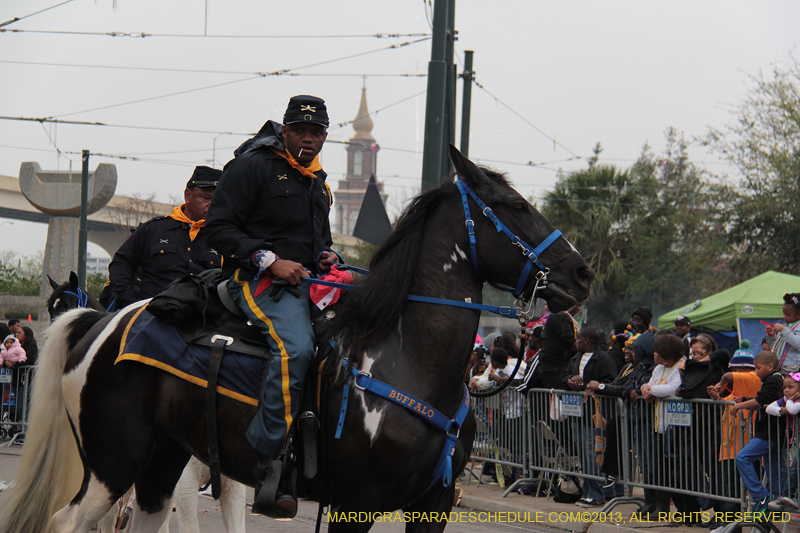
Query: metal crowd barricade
[685, 447]
[501, 436]
[15, 394]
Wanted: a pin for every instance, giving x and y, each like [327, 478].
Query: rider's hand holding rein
[289, 270]
[327, 260]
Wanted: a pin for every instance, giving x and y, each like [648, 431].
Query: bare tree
[135, 209]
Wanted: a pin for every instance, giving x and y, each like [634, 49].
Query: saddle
[204, 313]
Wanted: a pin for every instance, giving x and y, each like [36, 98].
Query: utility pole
[82, 234]
[466, 101]
[449, 136]
[435, 102]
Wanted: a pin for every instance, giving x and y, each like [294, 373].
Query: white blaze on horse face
[372, 417]
[571, 246]
[454, 257]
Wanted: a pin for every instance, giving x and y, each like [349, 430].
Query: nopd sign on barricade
[679, 413]
[5, 375]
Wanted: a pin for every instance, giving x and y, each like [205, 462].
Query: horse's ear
[53, 284]
[73, 279]
[467, 170]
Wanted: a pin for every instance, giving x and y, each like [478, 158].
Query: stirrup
[269, 499]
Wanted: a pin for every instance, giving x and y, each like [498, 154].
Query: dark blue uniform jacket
[262, 203]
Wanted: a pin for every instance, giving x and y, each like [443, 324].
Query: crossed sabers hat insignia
[313, 109]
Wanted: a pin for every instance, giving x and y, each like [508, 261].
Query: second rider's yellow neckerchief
[180, 216]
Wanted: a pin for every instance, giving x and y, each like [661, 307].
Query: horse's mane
[367, 314]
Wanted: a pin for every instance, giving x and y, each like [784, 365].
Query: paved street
[211, 520]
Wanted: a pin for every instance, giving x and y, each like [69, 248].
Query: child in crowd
[788, 405]
[12, 351]
[767, 436]
[785, 340]
[741, 382]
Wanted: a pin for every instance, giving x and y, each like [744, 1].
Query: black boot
[649, 503]
[276, 488]
[662, 505]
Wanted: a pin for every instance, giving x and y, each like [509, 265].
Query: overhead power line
[17, 19]
[142, 35]
[528, 122]
[258, 75]
[202, 71]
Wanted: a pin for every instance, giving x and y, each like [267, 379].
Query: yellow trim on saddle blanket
[172, 370]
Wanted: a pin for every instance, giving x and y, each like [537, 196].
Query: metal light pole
[82, 233]
[466, 101]
[449, 134]
[435, 103]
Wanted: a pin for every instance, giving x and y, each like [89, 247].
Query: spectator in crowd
[654, 502]
[558, 347]
[612, 456]
[477, 362]
[785, 340]
[11, 352]
[14, 325]
[703, 345]
[664, 382]
[683, 329]
[740, 382]
[533, 340]
[788, 405]
[767, 436]
[5, 331]
[28, 343]
[616, 344]
[589, 364]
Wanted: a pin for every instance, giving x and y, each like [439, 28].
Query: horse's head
[66, 296]
[501, 260]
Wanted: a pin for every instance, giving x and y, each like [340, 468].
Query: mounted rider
[269, 219]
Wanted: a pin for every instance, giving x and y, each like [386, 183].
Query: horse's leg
[191, 480]
[155, 485]
[434, 508]
[233, 503]
[81, 515]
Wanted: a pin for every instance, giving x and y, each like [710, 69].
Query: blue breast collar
[451, 426]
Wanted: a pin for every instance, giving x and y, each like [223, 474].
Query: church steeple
[363, 123]
[362, 165]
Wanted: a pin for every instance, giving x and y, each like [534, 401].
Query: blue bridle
[81, 295]
[531, 253]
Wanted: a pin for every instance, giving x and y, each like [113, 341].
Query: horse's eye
[519, 207]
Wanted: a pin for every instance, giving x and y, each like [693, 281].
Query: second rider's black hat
[305, 108]
[204, 177]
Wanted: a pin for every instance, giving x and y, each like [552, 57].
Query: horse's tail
[50, 473]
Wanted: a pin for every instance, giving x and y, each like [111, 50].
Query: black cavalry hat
[305, 108]
[204, 177]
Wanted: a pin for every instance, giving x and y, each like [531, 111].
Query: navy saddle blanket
[151, 342]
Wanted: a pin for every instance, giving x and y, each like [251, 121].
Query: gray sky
[614, 72]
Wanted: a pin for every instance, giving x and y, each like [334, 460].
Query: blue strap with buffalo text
[451, 426]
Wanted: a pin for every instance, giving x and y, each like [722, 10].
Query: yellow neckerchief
[308, 172]
[663, 379]
[180, 216]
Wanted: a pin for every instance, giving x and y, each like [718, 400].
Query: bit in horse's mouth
[556, 291]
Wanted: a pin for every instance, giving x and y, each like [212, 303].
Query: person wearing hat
[683, 329]
[269, 220]
[166, 247]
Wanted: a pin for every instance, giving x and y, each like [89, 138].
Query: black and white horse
[81, 455]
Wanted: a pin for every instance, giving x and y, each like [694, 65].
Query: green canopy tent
[740, 308]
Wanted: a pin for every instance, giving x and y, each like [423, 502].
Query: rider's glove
[279, 286]
[263, 259]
